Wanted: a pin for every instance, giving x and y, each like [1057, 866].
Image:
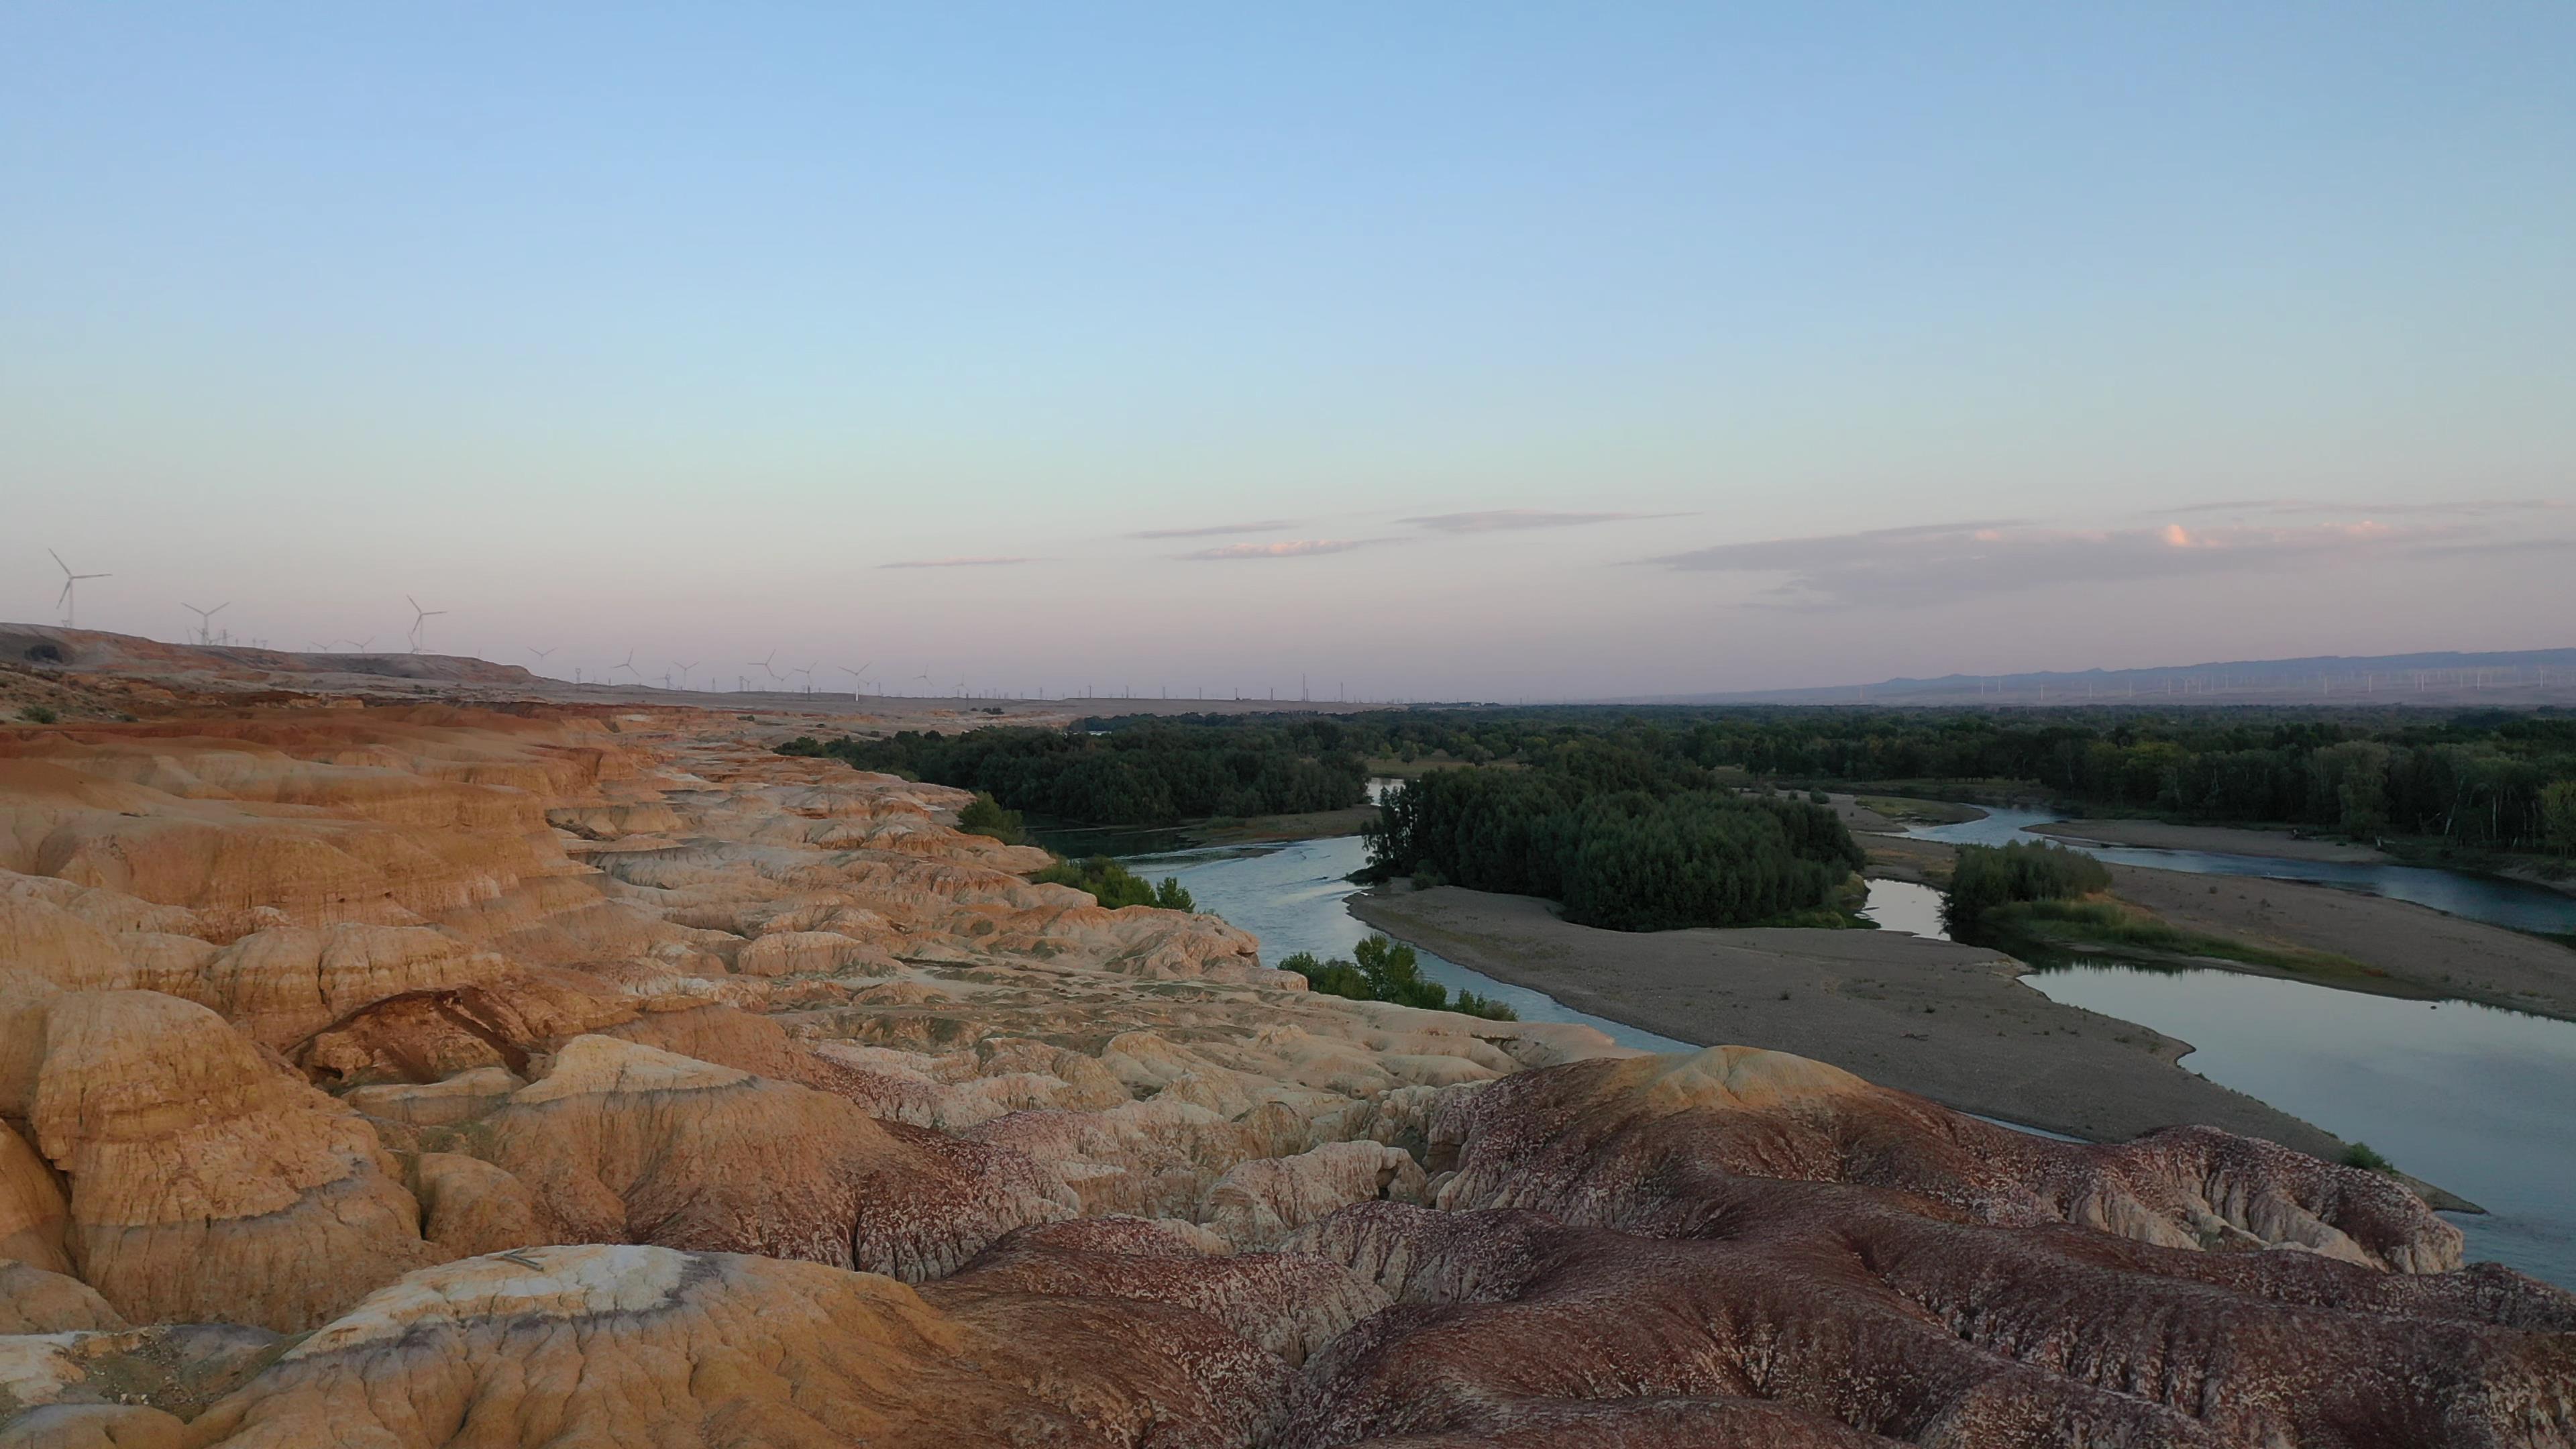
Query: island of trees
[1626, 838]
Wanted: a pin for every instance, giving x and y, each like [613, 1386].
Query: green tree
[2558, 816]
[984, 815]
[1986, 877]
[1114, 885]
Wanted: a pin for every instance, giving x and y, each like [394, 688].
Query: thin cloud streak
[1268, 525]
[1500, 520]
[1935, 564]
[2466, 508]
[1293, 548]
[954, 563]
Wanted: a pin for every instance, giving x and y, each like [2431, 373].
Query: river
[1291, 897]
[2477, 1099]
[2514, 904]
[2474, 1099]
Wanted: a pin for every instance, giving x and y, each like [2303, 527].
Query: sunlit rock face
[557, 1077]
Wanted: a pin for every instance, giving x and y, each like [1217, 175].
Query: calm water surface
[2478, 1100]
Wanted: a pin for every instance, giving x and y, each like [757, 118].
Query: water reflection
[1901, 905]
[2475, 1099]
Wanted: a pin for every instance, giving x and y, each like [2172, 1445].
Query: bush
[1389, 971]
[1819, 797]
[1988, 876]
[2362, 1155]
[1114, 885]
[984, 815]
[38, 714]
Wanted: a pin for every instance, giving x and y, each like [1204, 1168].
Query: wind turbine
[205, 619]
[627, 664]
[541, 653]
[766, 667]
[858, 676]
[926, 685]
[808, 672]
[68, 598]
[320, 648]
[361, 643]
[420, 621]
[684, 671]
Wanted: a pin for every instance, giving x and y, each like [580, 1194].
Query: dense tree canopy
[2478, 780]
[1151, 774]
[1626, 838]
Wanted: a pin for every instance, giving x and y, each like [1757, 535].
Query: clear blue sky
[671, 330]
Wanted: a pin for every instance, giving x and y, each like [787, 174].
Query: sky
[1427, 351]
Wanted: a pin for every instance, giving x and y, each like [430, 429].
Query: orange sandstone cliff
[421, 1076]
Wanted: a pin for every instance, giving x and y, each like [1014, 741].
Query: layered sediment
[422, 1076]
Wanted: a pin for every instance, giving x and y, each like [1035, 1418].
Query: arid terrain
[529, 1072]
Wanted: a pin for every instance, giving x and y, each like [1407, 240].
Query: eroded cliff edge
[417, 1076]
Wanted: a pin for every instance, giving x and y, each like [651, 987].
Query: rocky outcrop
[1643, 1144]
[717, 1349]
[1856, 1310]
[619, 1142]
[205, 1182]
[599, 1077]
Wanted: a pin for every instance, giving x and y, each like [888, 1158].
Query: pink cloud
[1292, 548]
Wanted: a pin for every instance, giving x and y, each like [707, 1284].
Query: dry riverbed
[2219, 839]
[2414, 951]
[1951, 1022]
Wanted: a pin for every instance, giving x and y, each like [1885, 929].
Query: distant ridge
[2510, 679]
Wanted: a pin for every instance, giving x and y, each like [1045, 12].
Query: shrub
[2362, 1155]
[1114, 885]
[1819, 797]
[1987, 876]
[984, 815]
[1389, 971]
[38, 714]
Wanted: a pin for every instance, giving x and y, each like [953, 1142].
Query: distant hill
[227, 666]
[2516, 679]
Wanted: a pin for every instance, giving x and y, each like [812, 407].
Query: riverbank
[2412, 950]
[2403, 949]
[2217, 839]
[1946, 1021]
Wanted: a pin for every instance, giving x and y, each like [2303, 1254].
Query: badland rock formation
[413, 1077]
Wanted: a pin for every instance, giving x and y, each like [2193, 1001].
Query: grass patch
[1918, 812]
[2102, 924]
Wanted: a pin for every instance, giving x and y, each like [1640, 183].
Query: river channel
[2516, 905]
[2475, 1099]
